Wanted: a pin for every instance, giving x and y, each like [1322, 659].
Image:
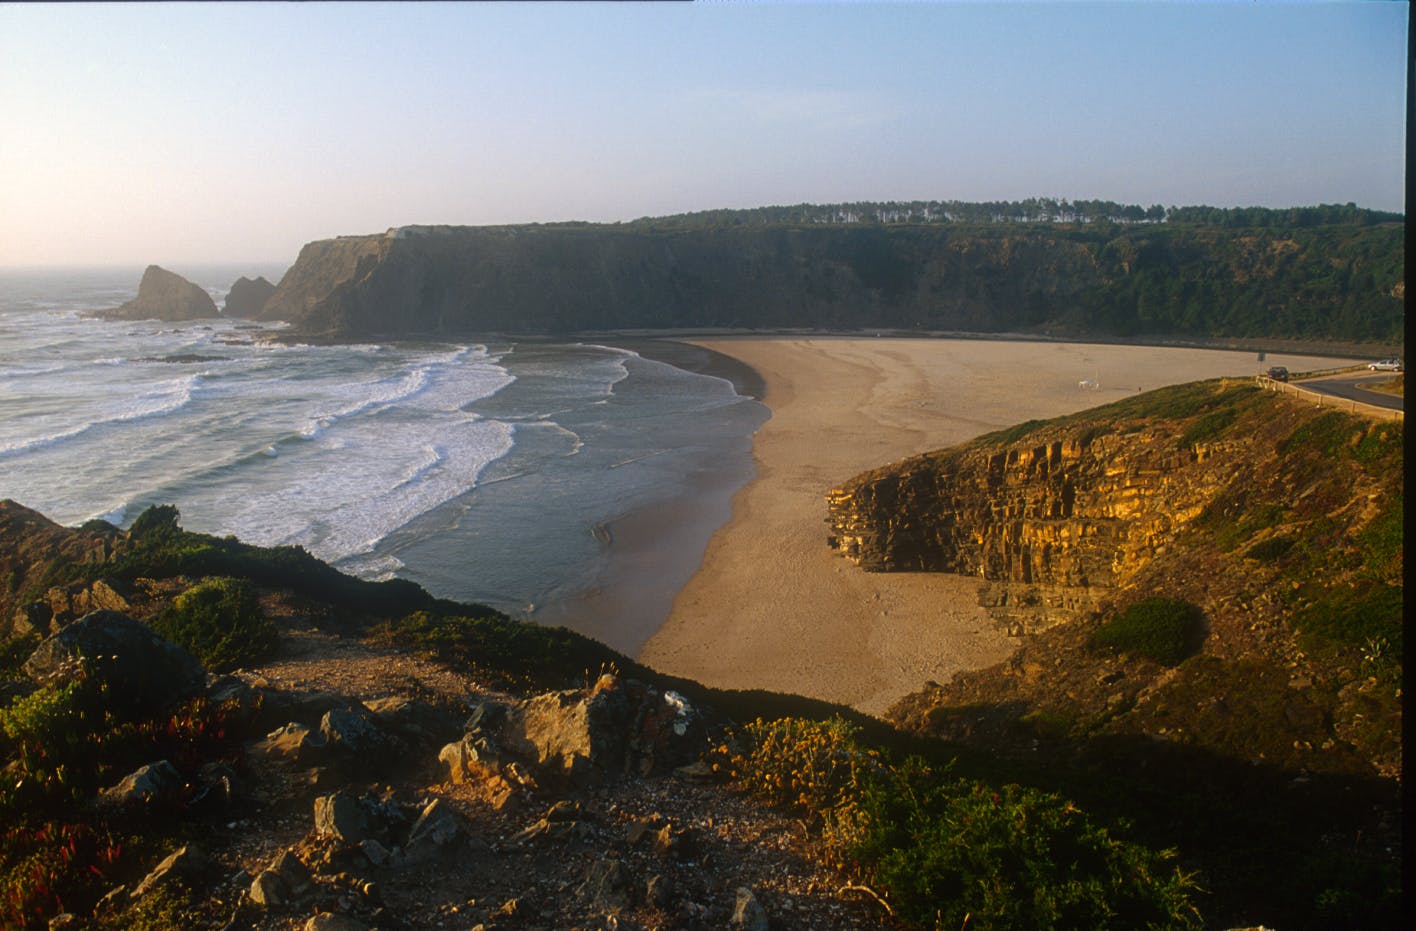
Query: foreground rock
[164, 295]
[247, 297]
[142, 671]
[620, 727]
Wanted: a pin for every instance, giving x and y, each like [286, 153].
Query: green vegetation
[219, 621]
[14, 652]
[1323, 272]
[1208, 426]
[1165, 630]
[1270, 550]
[1033, 210]
[950, 852]
[158, 548]
[60, 746]
[1357, 616]
[505, 652]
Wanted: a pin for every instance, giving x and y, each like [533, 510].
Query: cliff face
[1079, 281]
[561, 279]
[163, 295]
[1051, 520]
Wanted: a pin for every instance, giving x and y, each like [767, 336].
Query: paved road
[1352, 388]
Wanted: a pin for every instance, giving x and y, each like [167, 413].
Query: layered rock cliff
[1078, 281]
[1052, 519]
[164, 295]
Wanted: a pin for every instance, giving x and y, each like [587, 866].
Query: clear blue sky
[170, 133]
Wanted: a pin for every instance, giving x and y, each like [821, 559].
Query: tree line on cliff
[1030, 210]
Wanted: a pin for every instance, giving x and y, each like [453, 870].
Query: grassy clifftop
[1207, 581]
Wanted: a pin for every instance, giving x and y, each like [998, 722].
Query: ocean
[490, 472]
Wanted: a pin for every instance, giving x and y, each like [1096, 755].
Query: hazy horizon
[182, 134]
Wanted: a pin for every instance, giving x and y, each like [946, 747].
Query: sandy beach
[772, 607]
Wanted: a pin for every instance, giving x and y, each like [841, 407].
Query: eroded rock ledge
[1052, 520]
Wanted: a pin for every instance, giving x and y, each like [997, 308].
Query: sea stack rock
[163, 295]
[247, 297]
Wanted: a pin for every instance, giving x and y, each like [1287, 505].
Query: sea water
[488, 472]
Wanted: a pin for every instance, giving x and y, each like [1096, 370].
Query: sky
[137, 133]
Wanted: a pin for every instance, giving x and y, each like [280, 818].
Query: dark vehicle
[1278, 373]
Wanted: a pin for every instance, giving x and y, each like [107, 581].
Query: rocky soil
[344, 815]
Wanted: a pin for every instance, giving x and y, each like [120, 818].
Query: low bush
[1269, 550]
[948, 852]
[219, 621]
[1166, 630]
[14, 652]
[511, 653]
[1356, 616]
[811, 765]
[46, 869]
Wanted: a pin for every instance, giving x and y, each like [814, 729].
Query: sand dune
[771, 607]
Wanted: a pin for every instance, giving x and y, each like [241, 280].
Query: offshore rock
[163, 295]
[247, 297]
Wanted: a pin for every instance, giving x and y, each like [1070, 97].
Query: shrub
[810, 765]
[219, 621]
[948, 852]
[1166, 630]
[14, 652]
[46, 868]
[511, 652]
[957, 853]
[1271, 549]
[1356, 616]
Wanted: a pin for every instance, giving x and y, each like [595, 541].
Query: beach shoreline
[771, 607]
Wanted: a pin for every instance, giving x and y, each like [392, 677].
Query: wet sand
[771, 607]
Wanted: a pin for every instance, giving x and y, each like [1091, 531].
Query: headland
[772, 607]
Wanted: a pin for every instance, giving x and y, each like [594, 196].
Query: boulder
[342, 816]
[606, 887]
[355, 731]
[163, 295]
[352, 819]
[282, 882]
[32, 618]
[247, 297]
[145, 787]
[143, 672]
[748, 913]
[416, 722]
[294, 743]
[622, 726]
[329, 921]
[184, 864]
[434, 833]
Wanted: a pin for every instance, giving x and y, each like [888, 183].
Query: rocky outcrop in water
[247, 297]
[164, 295]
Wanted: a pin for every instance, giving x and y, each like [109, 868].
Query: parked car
[1385, 365]
[1278, 373]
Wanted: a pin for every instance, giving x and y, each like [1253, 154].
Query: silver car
[1385, 365]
